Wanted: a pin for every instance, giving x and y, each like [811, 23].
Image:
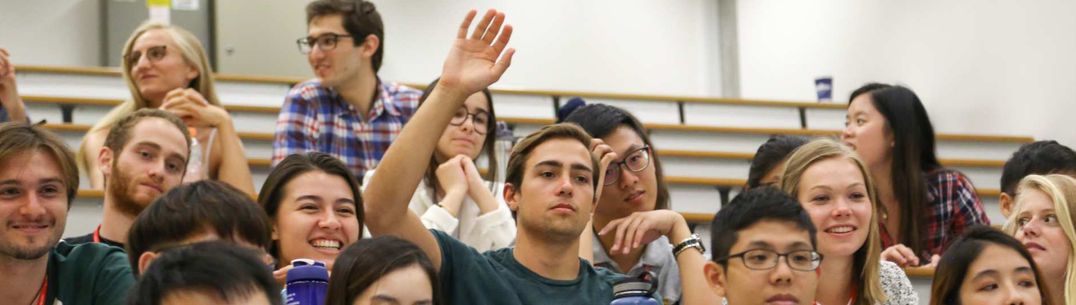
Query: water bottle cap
[307, 270]
[633, 288]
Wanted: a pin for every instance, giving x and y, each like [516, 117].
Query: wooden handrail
[749, 156]
[113, 71]
[540, 121]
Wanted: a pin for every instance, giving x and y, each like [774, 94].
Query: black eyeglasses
[636, 161]
[325, 42]
[480, 120]
[154, 54]
[763, 259]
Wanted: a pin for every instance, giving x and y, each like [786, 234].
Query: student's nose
[565, 187]
[329, 220]
[781, 275]
[1015, 296]
[32, 207]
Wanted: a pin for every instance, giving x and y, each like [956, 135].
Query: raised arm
[9, 94]
[472, 64]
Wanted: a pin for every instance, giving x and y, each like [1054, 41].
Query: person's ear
[369, 45]
[1005, 201]
[145, 259]
[716, 276]
[104, 161]
[511, 197]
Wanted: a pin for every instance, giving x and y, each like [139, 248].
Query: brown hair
[488, 144]
[294, 165]
[522, 150]
[18, 137]
[360, 19]
[866, 260]
[120, 133]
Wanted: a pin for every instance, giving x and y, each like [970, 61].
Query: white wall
[53, 32]
[664, 47]
[606, 45]
[996, 67]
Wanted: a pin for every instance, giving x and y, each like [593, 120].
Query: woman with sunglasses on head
[455, 197]
[833, 185]
[1044, 221]
[166, 67]
[633, 183]
[923, 206]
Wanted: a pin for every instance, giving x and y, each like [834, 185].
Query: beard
[30, 251]
[121, 186]
[562, 230]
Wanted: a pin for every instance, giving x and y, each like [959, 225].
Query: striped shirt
[316, 118]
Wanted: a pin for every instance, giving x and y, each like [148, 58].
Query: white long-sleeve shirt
[491, 231]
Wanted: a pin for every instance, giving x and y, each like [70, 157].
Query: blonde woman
[833, 185]
[1043, 220]
[166, 67]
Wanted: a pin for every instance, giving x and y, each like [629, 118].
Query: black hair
[954, 263]
[600, 120]
[751, 207]
[229, 272]
[1036, 158]
[197, 208]
[367, 260]
[914, 154]
[770, 154]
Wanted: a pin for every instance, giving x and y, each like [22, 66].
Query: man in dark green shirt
[38, 181]
[551, 182]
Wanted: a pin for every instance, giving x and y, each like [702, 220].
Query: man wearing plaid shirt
[347, 111]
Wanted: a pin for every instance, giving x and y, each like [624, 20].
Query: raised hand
[7, 76]
[193, 108]
[472, 63]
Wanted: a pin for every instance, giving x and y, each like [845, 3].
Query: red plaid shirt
[953, 206]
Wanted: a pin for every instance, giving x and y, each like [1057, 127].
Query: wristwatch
[692, 241]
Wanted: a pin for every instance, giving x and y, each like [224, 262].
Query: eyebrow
[798, 245]
[45, 180]
[986, 273]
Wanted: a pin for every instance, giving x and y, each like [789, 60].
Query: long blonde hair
[1062, 191]
[193, 54]
[866, 261]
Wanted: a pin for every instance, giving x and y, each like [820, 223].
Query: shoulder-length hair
[293, 166]
[867, 260]
[954, 263]
[1062, 191]
[193, 53]
[914, 154]
[488, 144]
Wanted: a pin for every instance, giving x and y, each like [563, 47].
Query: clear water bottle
[307, 283]
[636, 291]
[195, 167]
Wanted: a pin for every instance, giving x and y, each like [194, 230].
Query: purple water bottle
[636, 291]
[307, 283]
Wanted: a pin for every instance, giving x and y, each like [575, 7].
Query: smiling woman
[835, 187]
[165, 67]
[315, 207]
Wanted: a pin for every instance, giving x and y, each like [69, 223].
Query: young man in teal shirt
[38, 182]
[551, 183]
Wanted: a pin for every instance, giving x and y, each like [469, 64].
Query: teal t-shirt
[93, 274]
[495, 277]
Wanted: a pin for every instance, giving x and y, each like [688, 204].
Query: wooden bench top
[535, 121]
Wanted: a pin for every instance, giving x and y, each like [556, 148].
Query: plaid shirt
[316, 118]
[953, 206]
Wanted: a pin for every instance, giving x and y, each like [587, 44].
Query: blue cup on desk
[823, 85]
